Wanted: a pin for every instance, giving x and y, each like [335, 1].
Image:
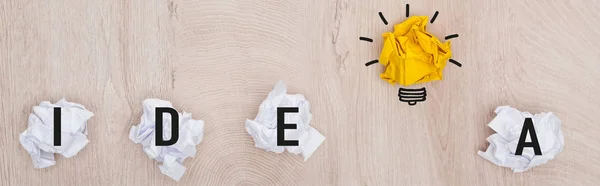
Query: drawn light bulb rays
[434, 16]
[448, 37]
[411, 96]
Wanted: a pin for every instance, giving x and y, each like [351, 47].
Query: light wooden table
[218, 59]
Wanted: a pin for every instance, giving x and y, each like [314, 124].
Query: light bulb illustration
[411, 55]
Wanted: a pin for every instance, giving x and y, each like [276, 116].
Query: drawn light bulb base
[412, 96]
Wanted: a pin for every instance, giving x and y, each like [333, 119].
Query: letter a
[159, 126]
[528, 128]
[281, 126]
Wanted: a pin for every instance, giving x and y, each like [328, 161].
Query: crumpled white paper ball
[508, 125]
[38, 138]
[190, 134]
[263, 128]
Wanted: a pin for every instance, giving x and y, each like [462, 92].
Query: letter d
[159, 126]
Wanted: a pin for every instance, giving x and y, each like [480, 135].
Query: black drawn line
[415, 96]
[371, 62]
[434, 16]
[383, 18]
[455, 62]
[417, 92]
[413, 102]
[408, 90]
[407, 10]
[365, 39]
[451, 36]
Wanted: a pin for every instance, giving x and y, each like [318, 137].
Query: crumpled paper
[38, 138]
[411, 55]
[190, 134]
[508, 125]
[263, 128]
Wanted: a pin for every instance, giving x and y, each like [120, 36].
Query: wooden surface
[218, 59]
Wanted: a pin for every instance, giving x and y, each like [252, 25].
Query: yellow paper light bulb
[411, 55]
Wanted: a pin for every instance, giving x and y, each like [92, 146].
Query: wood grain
[218, 59]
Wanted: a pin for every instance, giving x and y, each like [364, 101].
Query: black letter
[57, 126]
[159, 126]
[281, 126]
[528, 127]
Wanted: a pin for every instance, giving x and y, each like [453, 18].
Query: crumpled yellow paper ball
[411, 55]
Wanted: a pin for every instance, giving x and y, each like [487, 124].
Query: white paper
[190, 134]
[508, 125]
[263, 128]
[38, 138]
